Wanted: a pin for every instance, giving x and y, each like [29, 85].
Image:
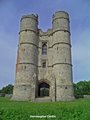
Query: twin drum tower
[44, 66]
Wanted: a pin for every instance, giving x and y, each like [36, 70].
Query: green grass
[75, 110]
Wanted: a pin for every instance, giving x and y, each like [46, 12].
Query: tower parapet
[60, 21]
[29, 22]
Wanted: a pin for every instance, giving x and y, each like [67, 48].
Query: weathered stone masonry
[44, 59]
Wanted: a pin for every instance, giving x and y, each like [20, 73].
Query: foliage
[75, 110]
[44, 92]
[7, 90]
[81, 88]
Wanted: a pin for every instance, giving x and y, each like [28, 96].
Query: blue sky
[10, 14]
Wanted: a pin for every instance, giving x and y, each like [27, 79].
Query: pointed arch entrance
[43, 89]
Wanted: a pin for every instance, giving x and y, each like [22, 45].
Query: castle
[44, 66]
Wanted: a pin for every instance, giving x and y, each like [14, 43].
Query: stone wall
[58, 70]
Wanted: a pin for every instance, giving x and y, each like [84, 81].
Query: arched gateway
[43, 89]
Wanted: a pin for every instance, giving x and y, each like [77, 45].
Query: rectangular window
[43, 63]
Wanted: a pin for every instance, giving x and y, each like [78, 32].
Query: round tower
[62, 64]
[27, 59]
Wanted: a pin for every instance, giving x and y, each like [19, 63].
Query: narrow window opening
[66, 88]
[44, 48]
[43, 63]
[24, 67]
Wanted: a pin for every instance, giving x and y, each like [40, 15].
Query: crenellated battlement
[60, 14]
[33, 16]
[47, 33]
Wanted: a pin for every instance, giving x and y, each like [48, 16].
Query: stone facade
[44, 57]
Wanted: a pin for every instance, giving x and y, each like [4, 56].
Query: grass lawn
[75, 110]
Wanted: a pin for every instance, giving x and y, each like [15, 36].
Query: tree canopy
[7, 90]
[81, 88]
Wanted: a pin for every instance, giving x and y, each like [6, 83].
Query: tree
[7, 90]
[81, 88]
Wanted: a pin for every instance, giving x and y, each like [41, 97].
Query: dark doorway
[43, 89]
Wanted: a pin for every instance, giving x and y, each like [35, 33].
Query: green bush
[81, 88]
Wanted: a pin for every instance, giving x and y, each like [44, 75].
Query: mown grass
[75, 110]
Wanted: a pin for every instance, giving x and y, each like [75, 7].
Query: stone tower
[44, 66]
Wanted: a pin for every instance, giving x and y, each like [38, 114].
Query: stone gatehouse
[44, 66]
